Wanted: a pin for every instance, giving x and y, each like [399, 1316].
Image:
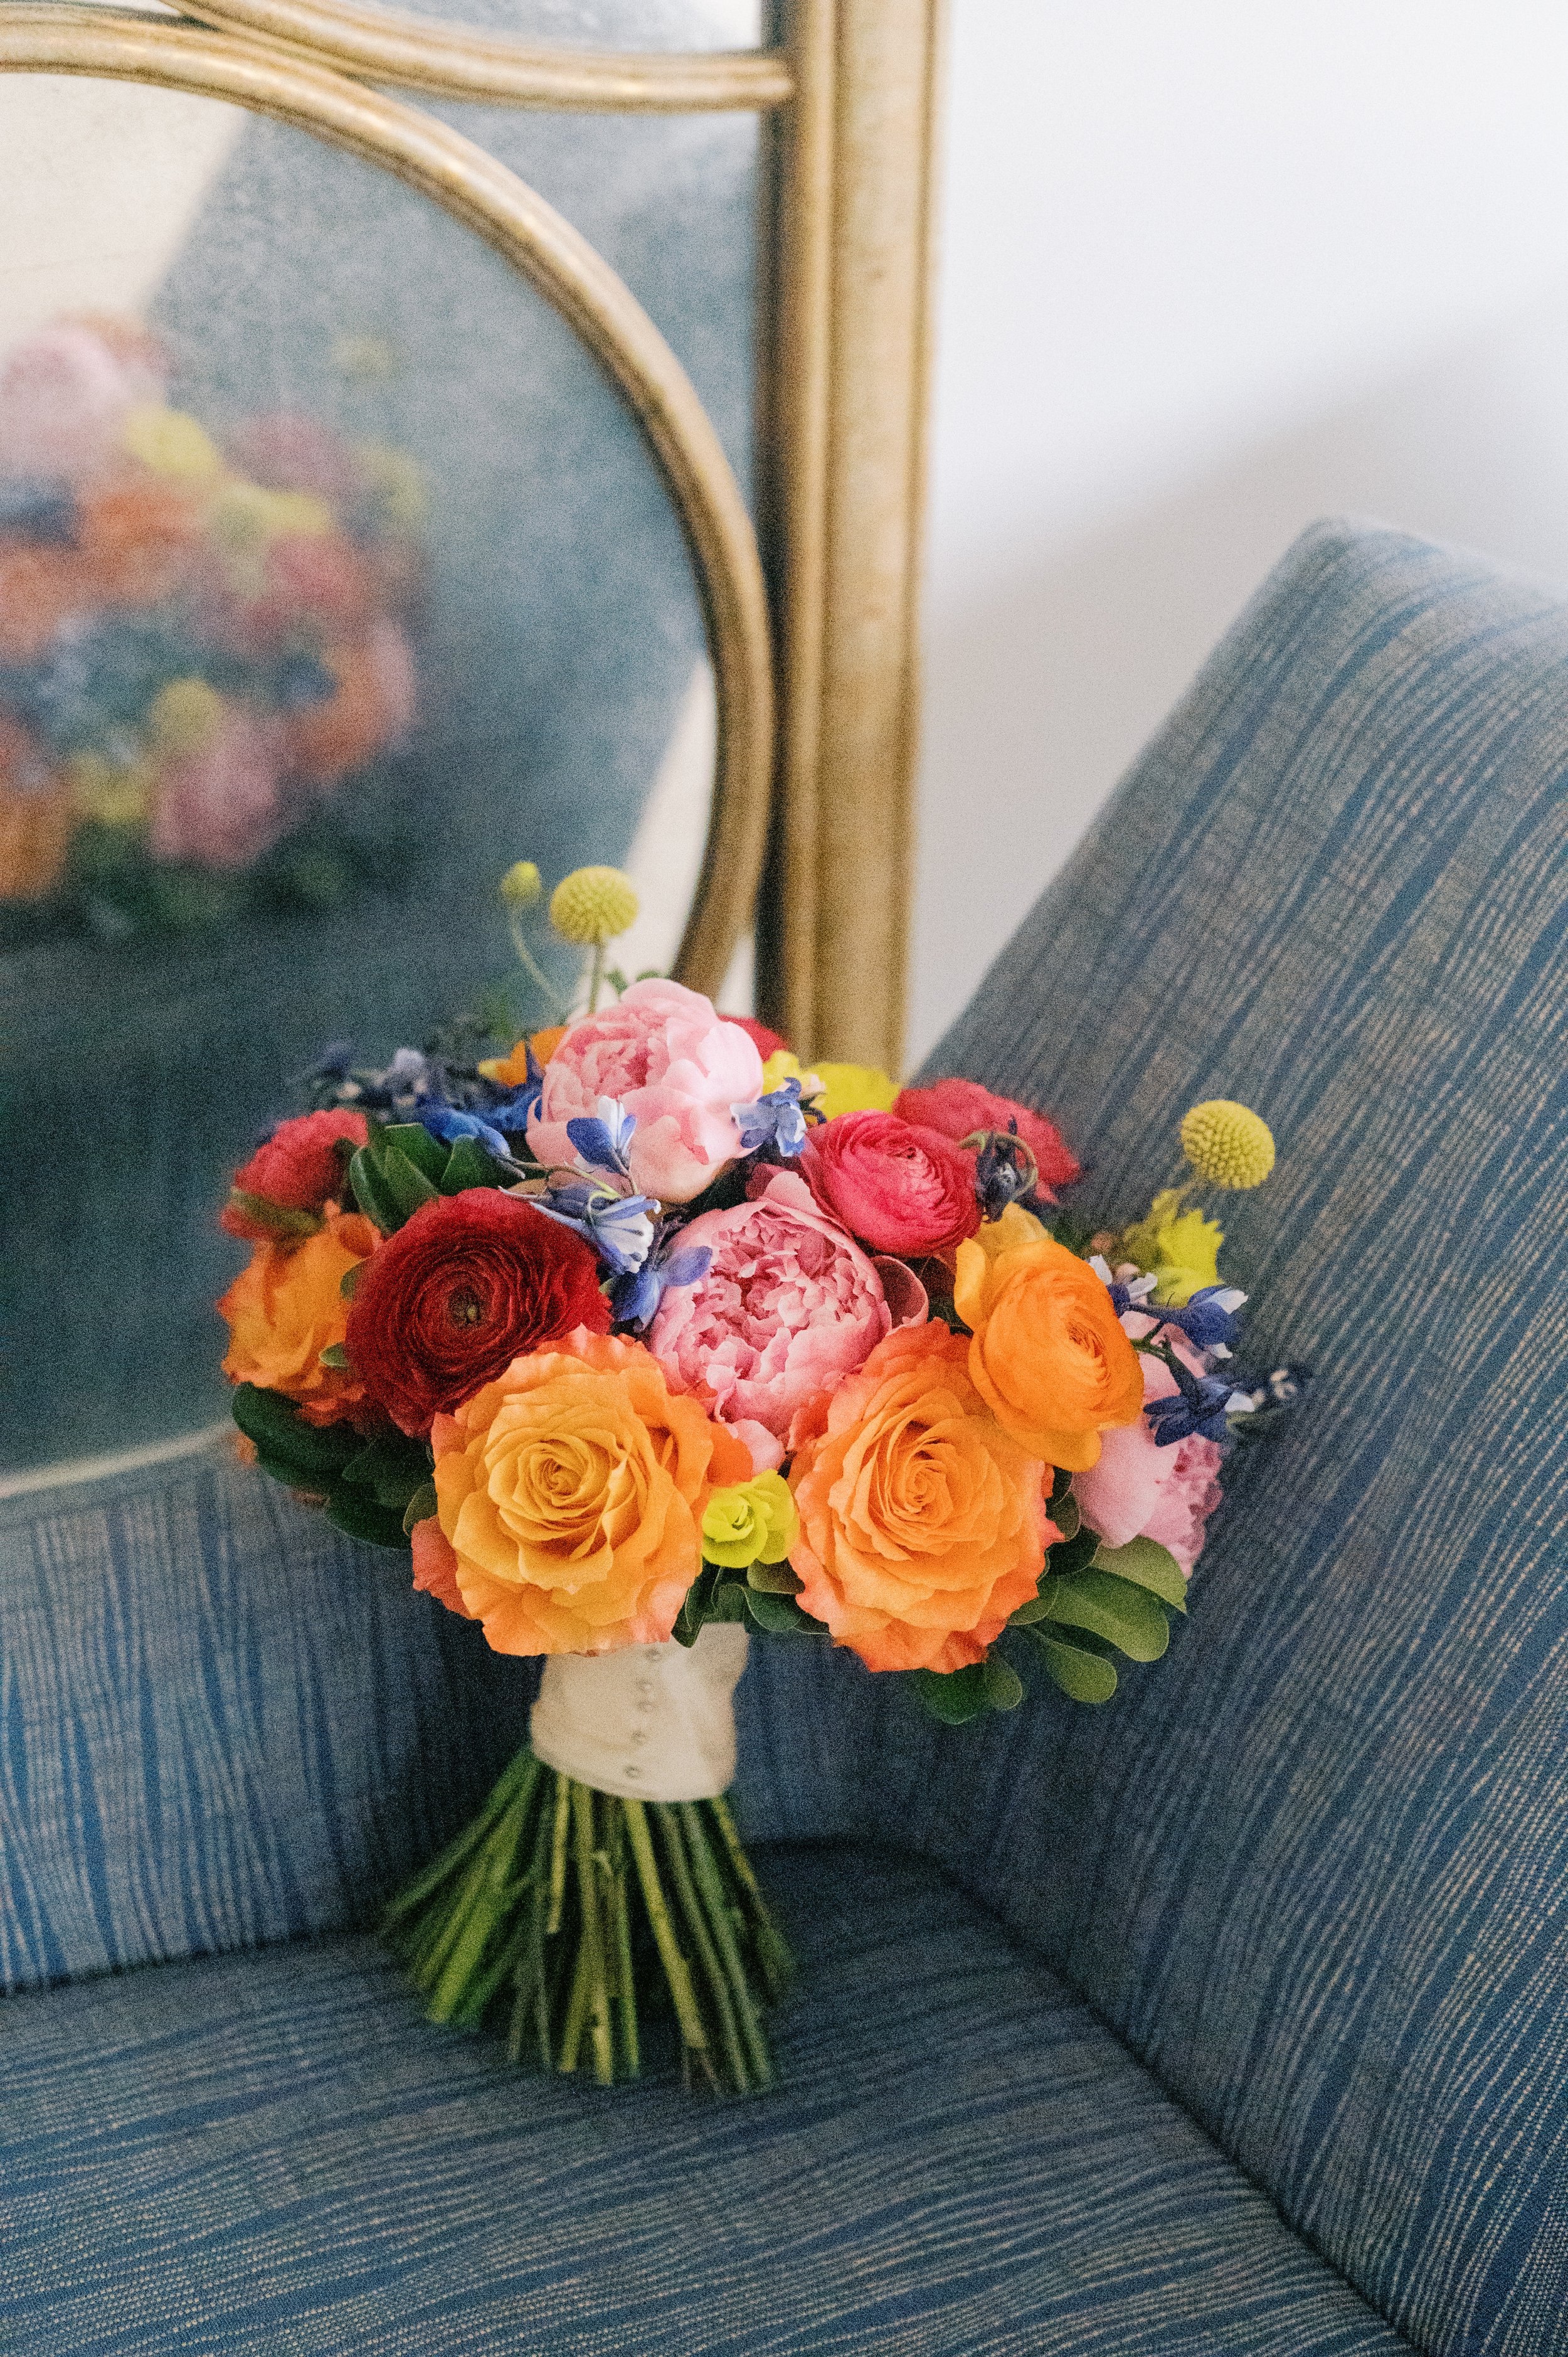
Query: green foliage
[1095, 1601]
[759, 1597]
[368, 1488]
[404, 1166]
[1147, 1564]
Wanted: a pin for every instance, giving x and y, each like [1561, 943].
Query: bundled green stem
[568, 1916]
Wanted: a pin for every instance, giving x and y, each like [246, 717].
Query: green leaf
[419, 1509]
[392, 1468]
[1036, 1609]
[467, 1166]
[695, 1610]
[1004, 1686]
[372, 1192]
[728, 1601]
[1087, 1677]
[280, 1432]
[314, 1486]
[1147, 1564]
[349, 1284]
[1126, 1616]
[277, 1218]
[404, 1181]
[334, 1355]
[954, 1696]
[1061, 1485]
[1073, 1555]
[1065, 1515]
[352, 1512]
[780, 1615]
[773, 1579]
[414, 1142]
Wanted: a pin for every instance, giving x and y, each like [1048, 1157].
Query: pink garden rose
[898, 1187]
[789, 1305]
[223, 807]
[1139, 1489]
[676, 1066]
[958, 1108]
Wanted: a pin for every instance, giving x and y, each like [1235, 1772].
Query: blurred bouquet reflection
[203, 639]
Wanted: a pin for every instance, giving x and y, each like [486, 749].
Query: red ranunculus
[769, 1042]
[300, 1167]
[958, 1108]
[472, 1282]
[897, 1187]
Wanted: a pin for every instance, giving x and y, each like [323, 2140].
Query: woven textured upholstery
[274, 2154]
[1311, 1873]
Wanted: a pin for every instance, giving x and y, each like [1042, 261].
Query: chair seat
[274, 2151]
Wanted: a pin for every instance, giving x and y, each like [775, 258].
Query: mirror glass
[334, 577]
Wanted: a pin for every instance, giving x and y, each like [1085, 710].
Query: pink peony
[223, 807]
[789, 1305]
[1138, 1489]
[958, 1108]
[677, 1067]
[64, 395]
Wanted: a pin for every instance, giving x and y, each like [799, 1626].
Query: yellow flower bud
[521, 886]
[170, 442]
[186, 717]
[592, 905]
[856, 1088]
[114, 797]
[751, 1522]
[1227, 1143]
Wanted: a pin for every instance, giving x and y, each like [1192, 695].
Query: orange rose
[923, 1522]
[1048, 1354]
[570, 1499]
[288, 1307]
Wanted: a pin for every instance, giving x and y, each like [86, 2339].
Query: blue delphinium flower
[633, 1298]
[775, 1121]
[448, 1123]
[619, 1227]
[603, 1141]
[40, 510]
[1201, 1406]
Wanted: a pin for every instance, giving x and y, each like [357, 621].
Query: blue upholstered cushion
[1313, 1870]
[274, 2153]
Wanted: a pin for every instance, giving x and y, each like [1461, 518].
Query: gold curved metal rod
[388, 44]
[560, 263]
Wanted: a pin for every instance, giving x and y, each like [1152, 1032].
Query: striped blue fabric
[274, 2154]
[1310, 1874]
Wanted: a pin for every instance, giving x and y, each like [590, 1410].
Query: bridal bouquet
[643, 1337]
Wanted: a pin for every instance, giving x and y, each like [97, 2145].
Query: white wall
[1209, 270]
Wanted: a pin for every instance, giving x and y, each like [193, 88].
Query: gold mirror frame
[564, 267]
[450, 60]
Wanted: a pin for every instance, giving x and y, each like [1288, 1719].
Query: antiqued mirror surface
[334, 576]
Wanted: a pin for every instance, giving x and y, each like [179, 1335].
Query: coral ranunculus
[287, 1308]
[301, 1166]
[571, 1495]
[958, 1108]
[897, 1188]
[787, 1307]
[923, 1524]
[1047, 1352]
[471, 1282]
[677, 1067]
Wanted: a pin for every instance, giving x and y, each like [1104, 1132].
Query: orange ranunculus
[571, 1494]
[288, 1307]
[1048, 1354]
[923, 1524]
[35, 832]
[135, 539]
[511, 1070]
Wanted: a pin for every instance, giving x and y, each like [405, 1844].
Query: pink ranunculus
[287, 452]
[898, 1187]
[1138, 1489]
[677, 1067]
[789, 1305]
[223, 807]
[958, 1108]
[64, 395]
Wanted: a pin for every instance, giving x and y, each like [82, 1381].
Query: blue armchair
[1230, 2017]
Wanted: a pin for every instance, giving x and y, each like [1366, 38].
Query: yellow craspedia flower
[856, 1088]
[185, 717]
[1227, 1143]
[592, 905]
[113, 796]
[751, 1522]
[170, 442]
[247, 518]
[1179, 1249]
[521, 886]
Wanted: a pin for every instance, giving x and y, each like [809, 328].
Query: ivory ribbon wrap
[650, 1723]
